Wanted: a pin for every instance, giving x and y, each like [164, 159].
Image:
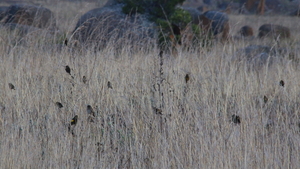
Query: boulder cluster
[110, 26]
[27, 17]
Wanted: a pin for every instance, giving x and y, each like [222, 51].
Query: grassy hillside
[152, 117]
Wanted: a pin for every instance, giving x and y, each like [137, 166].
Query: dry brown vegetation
[147, 114]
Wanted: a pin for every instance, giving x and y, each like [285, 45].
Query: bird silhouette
[109, 85]
[281, 83]
[84, 79]
[236, 119]
[11, 86]
[73, 123]
[68, 69]
[74, 120]
[90, 110]
[157, 111]
[59, 105]
[66, 42]
[266, 99]
[187, 78]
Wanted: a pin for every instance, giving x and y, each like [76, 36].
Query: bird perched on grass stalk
[91, 113]
[109, 85]
[281, 83]
[11, 86]
[59, 105]
[68, 70]
[84, 79]
[236, 119]
[187, 78]
[90, 110]
[265, 99]
[73, 122]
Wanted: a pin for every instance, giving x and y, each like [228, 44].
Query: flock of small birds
[234, 118]
[74, 120]
[90, 110]
[237, 119]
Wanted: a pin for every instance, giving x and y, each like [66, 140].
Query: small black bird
[68, 69]
[84, 80]
[161, 53]
[109, 85]
[90, 110]
[74, 120]
[187, 78]
[157, 111]
[59, 105]
[11, 86]
[236, 119]
[266, 99]
[281, 83]
[66, 42]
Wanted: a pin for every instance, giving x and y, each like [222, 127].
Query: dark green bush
[179, 19]
[171, 20]
[156, 8]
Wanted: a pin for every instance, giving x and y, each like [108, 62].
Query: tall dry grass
[193, 129]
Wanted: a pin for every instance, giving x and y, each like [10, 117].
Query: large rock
[246, 31]
[109, 26]
[35, 16]
[217, 22]
[271, 30]
[18, 34]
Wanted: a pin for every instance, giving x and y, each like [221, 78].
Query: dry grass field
[151, 116]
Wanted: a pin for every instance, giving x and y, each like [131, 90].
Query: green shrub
[180, 19]
[156, 8]
[165, 14]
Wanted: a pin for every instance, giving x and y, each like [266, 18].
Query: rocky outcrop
[246, 31]
[271, 30]
[109, 26]
[35, 16]
[217, 22]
